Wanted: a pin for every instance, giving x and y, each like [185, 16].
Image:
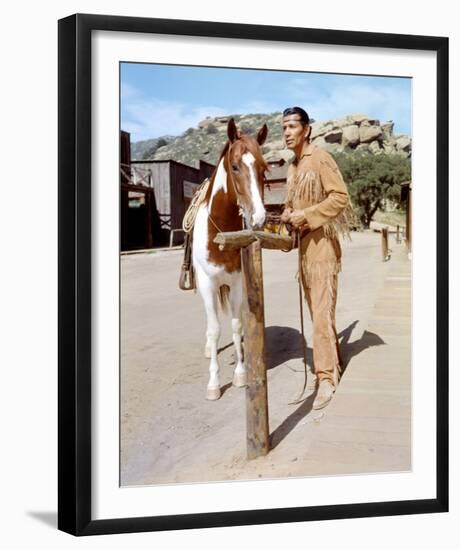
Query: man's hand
[286, 215]
[297, 218]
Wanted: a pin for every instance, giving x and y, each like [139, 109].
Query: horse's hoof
[240, 379]
[212, 394]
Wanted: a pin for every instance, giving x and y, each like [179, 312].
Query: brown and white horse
[235, 190]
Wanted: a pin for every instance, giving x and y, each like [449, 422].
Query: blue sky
[167, 99]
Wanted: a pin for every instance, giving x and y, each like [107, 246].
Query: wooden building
[173, 185]
[138, 220]
[275, 186]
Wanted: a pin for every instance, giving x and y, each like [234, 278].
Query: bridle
[238, 192]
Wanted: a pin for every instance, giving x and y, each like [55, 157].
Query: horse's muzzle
[258, 221]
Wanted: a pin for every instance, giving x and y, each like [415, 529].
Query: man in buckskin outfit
[318, 205]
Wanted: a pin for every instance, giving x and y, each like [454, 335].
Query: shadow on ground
[283, 344]
[348, 351]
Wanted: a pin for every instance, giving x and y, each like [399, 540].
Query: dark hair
[304, 118]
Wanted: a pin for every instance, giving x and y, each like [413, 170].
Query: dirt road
[170, 433]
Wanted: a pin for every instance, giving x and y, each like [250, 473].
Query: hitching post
[254, 351]
[251, 244]
[385, 255]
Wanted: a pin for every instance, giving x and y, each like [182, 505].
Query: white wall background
[28, 296]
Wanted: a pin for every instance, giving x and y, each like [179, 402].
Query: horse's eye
[235, 167]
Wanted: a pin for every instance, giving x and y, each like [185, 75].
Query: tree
[161, 142]
[373, 180]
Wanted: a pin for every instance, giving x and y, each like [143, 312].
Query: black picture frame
[74, 246]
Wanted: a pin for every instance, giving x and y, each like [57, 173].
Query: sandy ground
[170, 433]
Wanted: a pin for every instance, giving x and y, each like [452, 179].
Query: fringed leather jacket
[315, 185]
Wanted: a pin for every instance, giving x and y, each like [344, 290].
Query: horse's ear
[232, 130]
[262, 134]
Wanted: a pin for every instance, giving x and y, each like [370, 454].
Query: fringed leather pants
[320, 279]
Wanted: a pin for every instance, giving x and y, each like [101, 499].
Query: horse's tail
[224, 291]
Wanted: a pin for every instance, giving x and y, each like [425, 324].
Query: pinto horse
[235, 191]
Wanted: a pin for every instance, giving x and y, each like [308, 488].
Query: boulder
[271, 156]
[330, 147]
[389, 147]
[341, 122]
[320, 142]
[285, 154]
[403, 143]
[374, 147]
[369, 133]
[350, 136]
[402, 153]
[206, 122]
[358, 118]
[387, 129]
[333, 147]
[319, 129]
[334, 136]
[273, 146]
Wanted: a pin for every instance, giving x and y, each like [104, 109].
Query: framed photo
[148, 111]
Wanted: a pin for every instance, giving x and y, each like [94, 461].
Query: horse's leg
[208, 345]
[209, 295]
[207, 348]
[236, 300]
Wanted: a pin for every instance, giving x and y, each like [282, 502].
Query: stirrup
[187, 278]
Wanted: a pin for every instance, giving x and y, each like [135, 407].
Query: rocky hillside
[353, 132]
[146, 149]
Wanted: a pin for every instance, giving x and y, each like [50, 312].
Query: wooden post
[251, 244]
[385, 244]
[409, 222]
[257, 437]
[398, 238]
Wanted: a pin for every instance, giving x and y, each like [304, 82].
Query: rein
[230, 172]
[235, 187]
[298, 236]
